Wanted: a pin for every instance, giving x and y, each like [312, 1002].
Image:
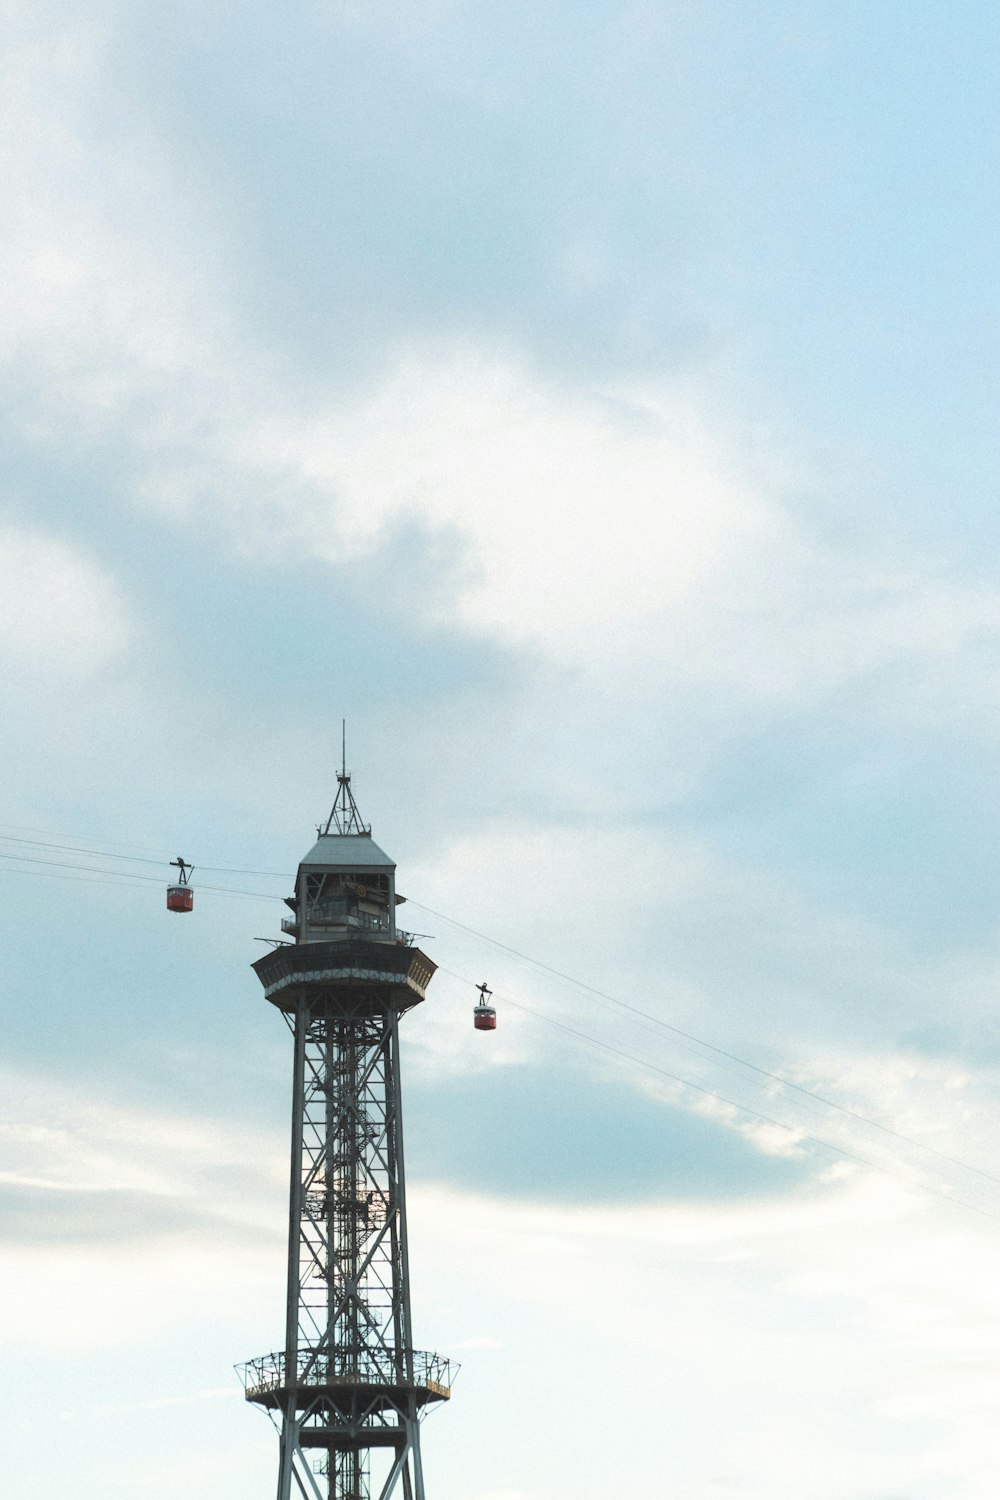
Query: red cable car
[484, 1017]
[180, 897]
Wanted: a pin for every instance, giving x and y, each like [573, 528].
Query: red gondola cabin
[484, 1017]
[180, 897]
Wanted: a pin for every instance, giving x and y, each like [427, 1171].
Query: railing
[345, 914]
[371, 1367]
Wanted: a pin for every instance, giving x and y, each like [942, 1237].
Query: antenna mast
[344, 816]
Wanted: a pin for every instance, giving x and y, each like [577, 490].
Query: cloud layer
[592, 407]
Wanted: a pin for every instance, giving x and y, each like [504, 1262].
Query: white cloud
[60, 610]
[631, 536]
[628, 535]
[583, 512]
[76, 1298]
[693, 940]
[853, 1297]
[633, 542]
[734, 1312]
[129, 1221]
[108, 243]
[56, 1137]
[623, 906]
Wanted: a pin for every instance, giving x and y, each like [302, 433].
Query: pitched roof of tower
[348, 850]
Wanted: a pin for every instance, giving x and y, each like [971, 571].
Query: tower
[347, 1390]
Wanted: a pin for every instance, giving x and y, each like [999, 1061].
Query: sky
[590, 404]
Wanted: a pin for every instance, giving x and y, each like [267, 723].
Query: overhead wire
[106, 853]
[745, 1109]
[114, 878]
[645, 1018]
[128, 875]
[135, 859]
[80, 839]
[659, 1023]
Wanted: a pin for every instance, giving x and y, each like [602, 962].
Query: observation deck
[358, 964]
[381, 1377]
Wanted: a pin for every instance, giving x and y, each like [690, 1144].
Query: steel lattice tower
[348, 1389]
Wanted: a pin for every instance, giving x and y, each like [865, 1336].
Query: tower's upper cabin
[345, 887]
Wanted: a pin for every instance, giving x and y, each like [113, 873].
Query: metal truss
[348, 1382]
